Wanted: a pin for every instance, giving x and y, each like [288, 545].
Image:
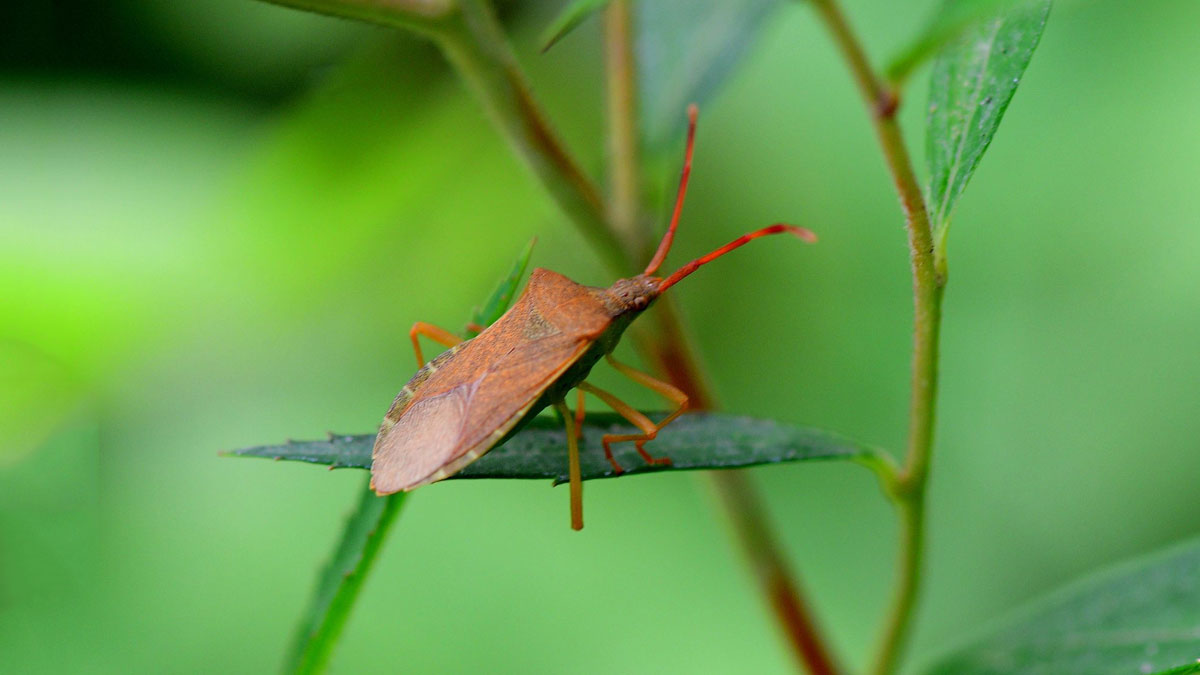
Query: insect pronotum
[481, 391]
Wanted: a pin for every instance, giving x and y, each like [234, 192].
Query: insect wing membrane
[473, 399]
[423, 441]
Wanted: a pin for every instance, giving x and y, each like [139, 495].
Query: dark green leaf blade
[1189, 669]
[502, 297]
[1142, 617]
[694, 441]
[950, 21]
[972, 84]
[685, 51]
[575, 13]
[339, 582]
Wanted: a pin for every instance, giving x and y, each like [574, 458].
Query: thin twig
[624, 203]
[908, 491]
[674, 355]
[750, 524]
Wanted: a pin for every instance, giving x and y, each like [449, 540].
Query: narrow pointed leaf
[340, 581]
[949, 22]
[972, 84]
[1189, 669]
[1142, 617]
[503, 296]
[694, 441]
[575, 13]
[685, 51]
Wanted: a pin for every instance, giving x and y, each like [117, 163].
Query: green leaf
[568, 19]
[502, 297]
[685, 51]
[340, 581]
[948, 23]
[972, 84]
[1142, 617]
[694, 441]
[1189, 669]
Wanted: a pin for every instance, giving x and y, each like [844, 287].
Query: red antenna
[778, 228]
[665, 245]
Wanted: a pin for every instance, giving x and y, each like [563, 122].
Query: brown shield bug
[480, 391]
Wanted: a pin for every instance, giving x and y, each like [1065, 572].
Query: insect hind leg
[649, 429]
[664, 389]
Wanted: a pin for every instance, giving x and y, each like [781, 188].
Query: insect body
[480, 391]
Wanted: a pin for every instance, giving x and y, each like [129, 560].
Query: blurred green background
[218, 221]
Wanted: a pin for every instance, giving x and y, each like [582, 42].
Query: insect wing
[438, 434]
[466, 400]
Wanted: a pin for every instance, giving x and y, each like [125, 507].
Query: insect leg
[666, 390]
[579, 416]
[649, 429]
[439, 335]
[573, 466]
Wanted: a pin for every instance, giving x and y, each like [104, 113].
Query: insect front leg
[439, 335]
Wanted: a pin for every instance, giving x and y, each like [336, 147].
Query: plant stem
[908, 490]
[474, 42]
[476, 45]
[624, 202]
[750, 524]
[674, 355]
[746, 515]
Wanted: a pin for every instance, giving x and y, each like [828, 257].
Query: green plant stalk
[624, 203]
[928, 279]
[674, 355]
[341, 581]
[910, 486]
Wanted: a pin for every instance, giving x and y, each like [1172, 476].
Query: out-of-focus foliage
[195, 264]
[684, 52]
[572, 14]
[1138, 619]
